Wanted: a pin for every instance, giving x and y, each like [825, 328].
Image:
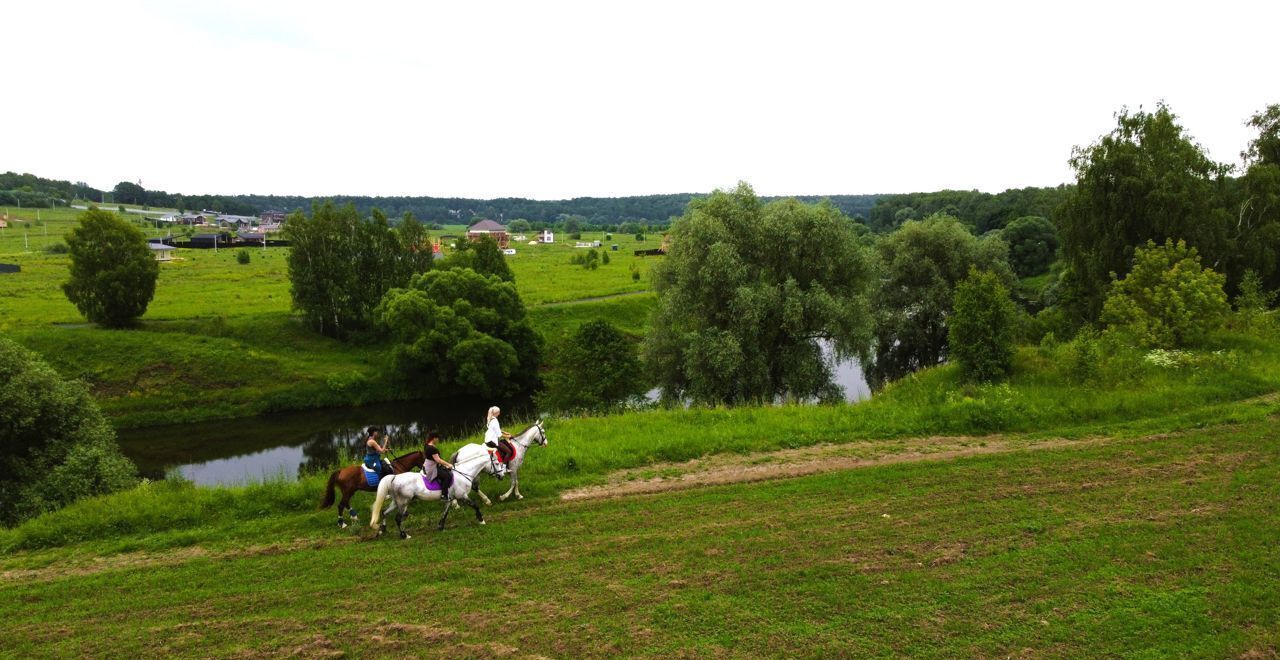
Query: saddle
[506, 451]
[371, 477]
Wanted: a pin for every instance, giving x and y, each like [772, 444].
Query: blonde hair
[493, 412]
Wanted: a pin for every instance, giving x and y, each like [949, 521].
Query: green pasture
[1153, 546]
[220, 340]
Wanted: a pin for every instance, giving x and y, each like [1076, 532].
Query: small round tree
[55, 446]
[1033, 243]
[1168, 299]
[980, 330]
[595, 369]
[113, 275]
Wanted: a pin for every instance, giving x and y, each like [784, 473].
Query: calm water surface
[287, 445]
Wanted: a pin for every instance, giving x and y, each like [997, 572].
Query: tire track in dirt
[789, 463]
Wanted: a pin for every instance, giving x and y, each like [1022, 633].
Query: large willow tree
[748, 293]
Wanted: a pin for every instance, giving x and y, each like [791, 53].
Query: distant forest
[983, 212]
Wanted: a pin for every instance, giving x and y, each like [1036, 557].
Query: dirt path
[580, 301]
[96, 564]
[788, 463]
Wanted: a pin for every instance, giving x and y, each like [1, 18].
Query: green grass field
[219, 338]
[1149, 546]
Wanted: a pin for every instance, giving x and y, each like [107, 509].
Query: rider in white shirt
[493, 431]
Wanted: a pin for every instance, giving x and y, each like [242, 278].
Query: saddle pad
[431, 484]
[370, 477]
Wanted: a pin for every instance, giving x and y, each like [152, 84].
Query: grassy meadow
[1149, 546]
[219, 339]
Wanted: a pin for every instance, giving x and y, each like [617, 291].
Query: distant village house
[489, 228]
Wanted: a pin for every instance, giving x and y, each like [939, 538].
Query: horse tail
[384, 487]
[329, 496]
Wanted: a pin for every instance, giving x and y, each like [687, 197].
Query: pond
[287, 445]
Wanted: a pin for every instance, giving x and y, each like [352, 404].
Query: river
[287, 445]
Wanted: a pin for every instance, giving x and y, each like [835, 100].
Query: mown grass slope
[1149, 546]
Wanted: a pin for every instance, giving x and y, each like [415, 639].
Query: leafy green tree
[1168, 300]
[1255, 234]
[55, 445]
[1033, 244]
[519, 226]
[129, 193]
[920, 265]
[461, 332]
[113, 274]
[487, 259]
[980, 329]
[596, 369]
[747, 296]
[242, 257]
[341, 265]
[1252, 304]
[1145, 180]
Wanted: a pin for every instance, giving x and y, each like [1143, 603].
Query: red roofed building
[489, 228]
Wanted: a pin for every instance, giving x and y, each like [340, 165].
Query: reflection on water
[291, 444]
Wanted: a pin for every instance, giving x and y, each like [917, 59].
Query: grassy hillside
[1148, 546]
[219, 339]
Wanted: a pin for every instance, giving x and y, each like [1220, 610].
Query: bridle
[542, 436]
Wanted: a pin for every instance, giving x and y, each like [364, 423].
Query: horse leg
[503, 497]
[483, 498]
[515, 485]
[447, 507]
[479, 516]
[345, 504]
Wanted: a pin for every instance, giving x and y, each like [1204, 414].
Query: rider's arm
[441, 461]
[377, 447]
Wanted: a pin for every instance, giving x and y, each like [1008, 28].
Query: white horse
[408, 486]
[534, 435]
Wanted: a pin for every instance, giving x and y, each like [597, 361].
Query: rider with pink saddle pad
[437, 473]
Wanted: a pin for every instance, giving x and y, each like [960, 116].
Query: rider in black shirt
[442, 469]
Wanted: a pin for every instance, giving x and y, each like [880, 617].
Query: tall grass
[1042, 397]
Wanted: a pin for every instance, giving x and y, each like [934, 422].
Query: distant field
[219, 339]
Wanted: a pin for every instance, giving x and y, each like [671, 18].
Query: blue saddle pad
[370, 477]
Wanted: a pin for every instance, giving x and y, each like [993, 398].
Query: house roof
[160, 247]
[206, 237]
[251, 236]
[486, 225]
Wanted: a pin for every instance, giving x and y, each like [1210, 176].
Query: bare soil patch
[788, 463]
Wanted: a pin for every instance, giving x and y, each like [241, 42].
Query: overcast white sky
[553, 100]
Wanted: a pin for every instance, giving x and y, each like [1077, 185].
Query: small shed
[251, 238]
[204, 241]
[161, 251]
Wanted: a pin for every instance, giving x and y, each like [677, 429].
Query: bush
[113, 275]
[604, 258]
[57, 248]
[635, 273]
[596, 369]
[1168, 300]
[242, 257]
[980, 330]
[1252, 304]
[55, 445]
[461, 332]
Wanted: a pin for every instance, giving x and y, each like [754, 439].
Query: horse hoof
[404, 535]
[519, 497]
[481, 522]
[342, 525]
[502, 498]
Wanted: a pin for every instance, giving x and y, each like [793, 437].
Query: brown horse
[351, 479]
